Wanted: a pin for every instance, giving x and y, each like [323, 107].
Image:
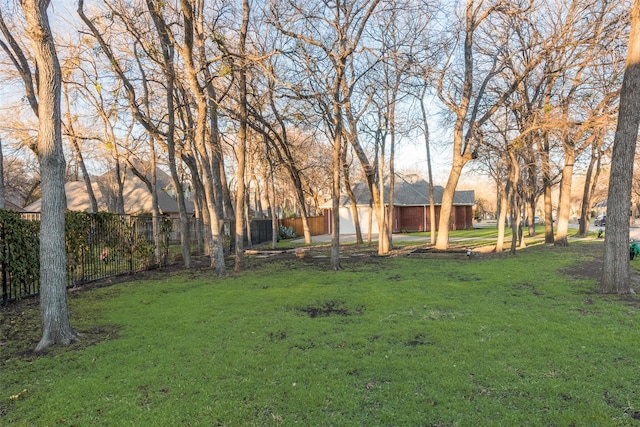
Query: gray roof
[408, 194]
[137, 198]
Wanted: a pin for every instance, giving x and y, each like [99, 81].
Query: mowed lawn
[393, 341]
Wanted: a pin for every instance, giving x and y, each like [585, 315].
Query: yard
[492, 340]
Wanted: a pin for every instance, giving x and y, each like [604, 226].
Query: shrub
[286, 233]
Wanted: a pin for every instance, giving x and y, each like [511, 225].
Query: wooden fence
[316, 224]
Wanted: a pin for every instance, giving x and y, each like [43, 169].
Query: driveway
[634, 234]
[351, 238]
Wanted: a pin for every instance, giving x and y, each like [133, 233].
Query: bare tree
[54, 311]
[241, 149]
[616, 274]
[474, 105]
[325, 46]
[138, 113]
[75, 144]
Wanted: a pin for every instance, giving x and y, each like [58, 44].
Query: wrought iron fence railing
[98, 246]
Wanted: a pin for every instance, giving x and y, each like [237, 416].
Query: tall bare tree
[473, 104]
[325, 46]
[169, 136]
[241, 149]
[54, 311]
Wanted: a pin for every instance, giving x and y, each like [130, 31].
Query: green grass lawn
[496, 340]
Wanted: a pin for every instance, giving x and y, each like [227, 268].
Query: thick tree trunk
[270, 182]
[615, 275]
[2, 200]
[392, 179]
[562, 230]
[54, 311]
[442, 242]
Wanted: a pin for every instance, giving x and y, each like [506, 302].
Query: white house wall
[347, 225]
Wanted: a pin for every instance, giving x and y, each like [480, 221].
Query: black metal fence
[98, 246]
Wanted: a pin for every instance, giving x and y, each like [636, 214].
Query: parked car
[601, 221]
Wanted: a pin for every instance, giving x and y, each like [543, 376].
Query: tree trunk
[352, 196]
[616, 275]
[392, 177]
[502, 216]
[241, 151]
[562, 229]
[432, 202]
[512, 192]
[335, 194]
[76, 149]
[546, 189]
[590, 180]
[270, 183]
[442, 242]
[54, 311]
[2, 200]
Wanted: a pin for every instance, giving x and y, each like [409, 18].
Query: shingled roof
[137, 198]
[409, 193]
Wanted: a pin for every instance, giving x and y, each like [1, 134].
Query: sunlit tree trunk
[590, 182]
[241, 149]
[562, 229]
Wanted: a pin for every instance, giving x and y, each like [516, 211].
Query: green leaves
[19, 252]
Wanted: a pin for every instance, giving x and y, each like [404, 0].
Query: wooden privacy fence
[316, 224]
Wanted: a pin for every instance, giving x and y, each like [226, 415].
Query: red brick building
[411, 211]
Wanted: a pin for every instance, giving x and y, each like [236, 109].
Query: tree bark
[503, 204]
[432, 202]
[54, 311]
[335, 194]
[241, 149]
[352, 196]
[2, 200]
[616, 271]
[591, 179]
[562, 228]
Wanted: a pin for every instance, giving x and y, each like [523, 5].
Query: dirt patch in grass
[329, 308]
[591, 269]
[20, 333]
